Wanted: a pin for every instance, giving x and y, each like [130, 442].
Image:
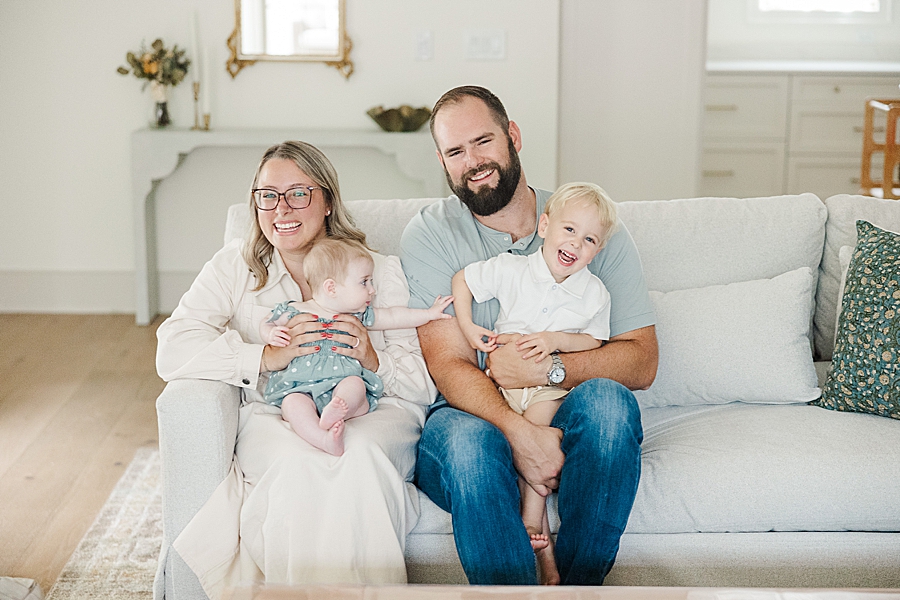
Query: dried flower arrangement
[159, 64]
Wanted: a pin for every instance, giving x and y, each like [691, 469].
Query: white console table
[156, 153]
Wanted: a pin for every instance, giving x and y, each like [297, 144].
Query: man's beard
[487, 200]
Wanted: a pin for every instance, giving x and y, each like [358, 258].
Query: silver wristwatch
[557, 372]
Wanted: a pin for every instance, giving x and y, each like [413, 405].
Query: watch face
[556, 375]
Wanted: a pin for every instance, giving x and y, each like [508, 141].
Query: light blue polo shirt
[445, 237]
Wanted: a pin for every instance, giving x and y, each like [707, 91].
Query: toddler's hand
[437, 308]
[540, 345]
[279, 336]
[475, 336]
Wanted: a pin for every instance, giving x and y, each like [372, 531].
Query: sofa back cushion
[699, 242]
[732, 282]
[840, 230]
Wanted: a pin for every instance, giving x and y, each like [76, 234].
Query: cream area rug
[117, 556]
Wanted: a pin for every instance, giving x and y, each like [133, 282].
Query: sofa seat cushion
[756, 468]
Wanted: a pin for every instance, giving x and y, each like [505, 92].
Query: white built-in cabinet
[770, 134]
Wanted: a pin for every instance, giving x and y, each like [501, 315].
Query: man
[474, 445]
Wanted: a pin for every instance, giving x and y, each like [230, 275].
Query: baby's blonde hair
[330, 258]
[591, 194]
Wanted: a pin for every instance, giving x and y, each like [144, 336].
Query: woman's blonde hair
[339, 224]
[590, 194]
[330, 258]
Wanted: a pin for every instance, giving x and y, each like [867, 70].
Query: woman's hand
[300, 329]
[357, 337]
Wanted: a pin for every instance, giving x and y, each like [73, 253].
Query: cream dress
[287, 512]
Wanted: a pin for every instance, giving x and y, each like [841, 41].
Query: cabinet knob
[723, 173]
[837, 89]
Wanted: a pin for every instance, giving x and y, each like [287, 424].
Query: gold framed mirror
[289, 31]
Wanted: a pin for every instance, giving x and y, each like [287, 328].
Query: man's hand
[537, 455]
[510, 371]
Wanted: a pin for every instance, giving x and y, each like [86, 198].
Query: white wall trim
[84, 292]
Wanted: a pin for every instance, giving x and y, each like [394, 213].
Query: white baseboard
[83, 292]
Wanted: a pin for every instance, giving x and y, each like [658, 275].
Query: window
[820, 11]
[840, 6]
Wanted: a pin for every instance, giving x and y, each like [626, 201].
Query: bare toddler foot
[333, 440]
[539, 541]
[546, 560]
[333, 412]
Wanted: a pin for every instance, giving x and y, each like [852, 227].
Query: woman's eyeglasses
[295, 197]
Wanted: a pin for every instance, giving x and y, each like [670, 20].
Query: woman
[299, 515]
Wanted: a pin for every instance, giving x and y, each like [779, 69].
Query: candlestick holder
[196, 86]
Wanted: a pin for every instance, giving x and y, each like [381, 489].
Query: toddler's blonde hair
[591, 194]
[330, 258]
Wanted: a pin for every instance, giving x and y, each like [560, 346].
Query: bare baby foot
[333, 412]
[333, 441]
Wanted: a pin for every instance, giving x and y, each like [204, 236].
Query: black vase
[162, 114]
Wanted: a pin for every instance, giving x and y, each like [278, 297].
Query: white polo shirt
[531, 301]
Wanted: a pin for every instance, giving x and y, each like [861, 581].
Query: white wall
[732, 36]
[66, 119]
[631, 78]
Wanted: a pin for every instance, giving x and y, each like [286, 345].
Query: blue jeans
[465, 466]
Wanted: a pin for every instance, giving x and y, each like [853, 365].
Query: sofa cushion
[383, 221]
[840, 230]
[741, 342]
[754, 468]
[865, 376]
[699, 242]
[745, 467]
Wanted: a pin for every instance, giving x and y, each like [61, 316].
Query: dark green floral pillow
[865, 376]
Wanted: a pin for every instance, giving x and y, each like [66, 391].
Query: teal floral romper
[317, 374]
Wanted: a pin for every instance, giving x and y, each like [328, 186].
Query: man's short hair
[458, 94]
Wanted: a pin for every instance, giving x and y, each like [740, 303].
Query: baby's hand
[437, 308]
[475, 336]
[540, 345]
[279, 336]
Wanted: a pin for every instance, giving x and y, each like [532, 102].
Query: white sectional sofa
[743, 483]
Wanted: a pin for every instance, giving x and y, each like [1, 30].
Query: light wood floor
[77, 398]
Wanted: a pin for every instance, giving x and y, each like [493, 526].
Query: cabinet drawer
[828, 131]
[742, 171]
[842, 92]
[745, 107]
[827, 176]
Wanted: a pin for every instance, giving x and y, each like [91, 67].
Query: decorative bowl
[402, 118]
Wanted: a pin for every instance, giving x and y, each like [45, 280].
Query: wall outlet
[485, 44]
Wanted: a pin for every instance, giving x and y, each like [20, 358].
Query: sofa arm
[197, 431]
